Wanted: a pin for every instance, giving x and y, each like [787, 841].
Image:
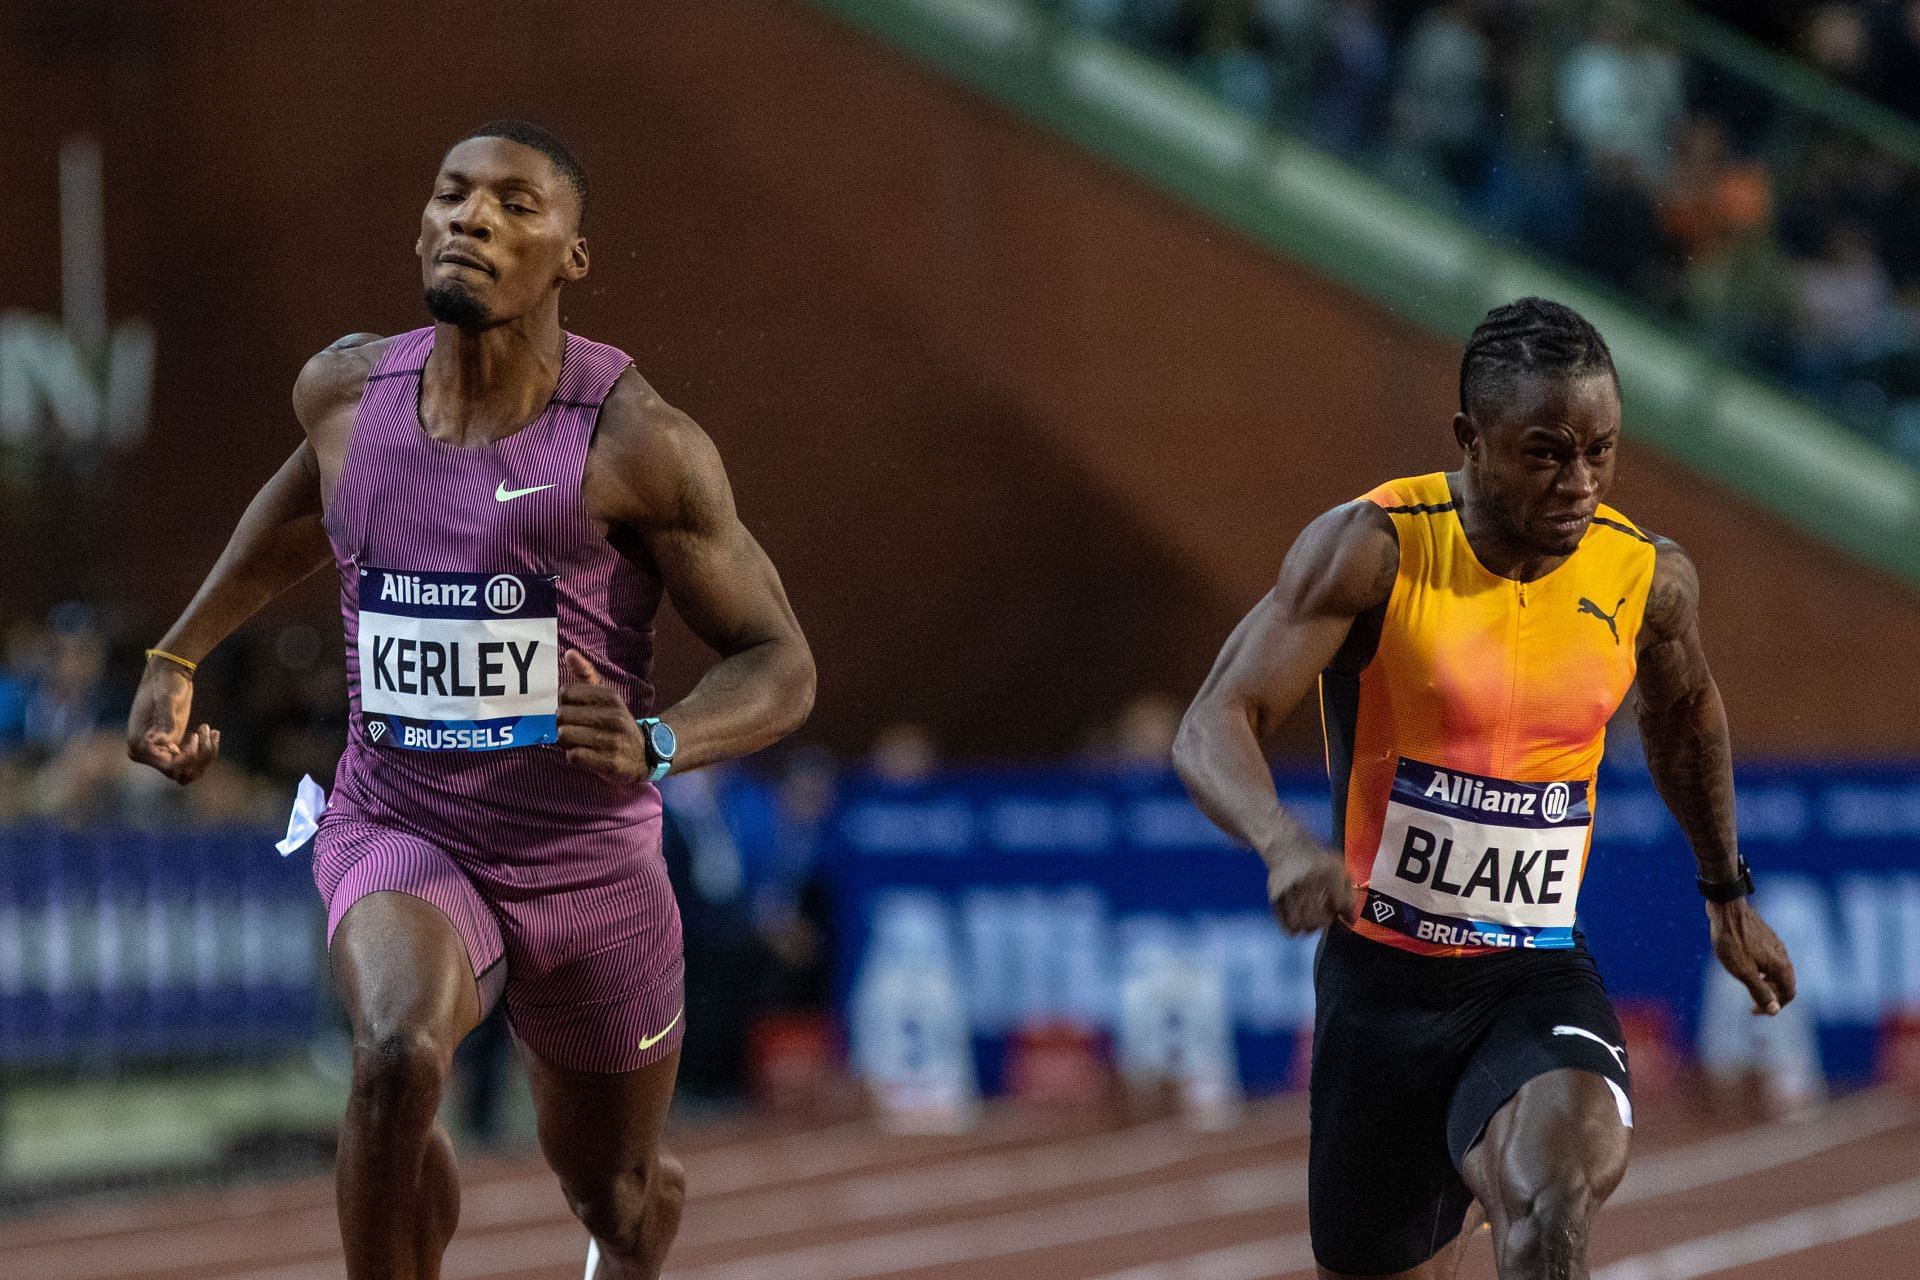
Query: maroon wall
[1023, 436]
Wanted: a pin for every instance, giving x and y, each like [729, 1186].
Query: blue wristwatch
[661, 744]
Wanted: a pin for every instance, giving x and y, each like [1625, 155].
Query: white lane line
[979, 1173]
[996, 1235]
[1248, 1261]
[1736, 1155]
[335, 1269]
[161, 1209]
[313, 1228]
[724, 1142]
[197, 1246]
[843, 1149]
[1791, 1233]
[544, 1234]
[742, 1166]
[1676, 1169]
[992, 1236]
[972, 1181]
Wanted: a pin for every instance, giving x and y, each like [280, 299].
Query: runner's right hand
[156, 728]
[1309, 891]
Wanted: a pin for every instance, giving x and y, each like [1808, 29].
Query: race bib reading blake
[458, 661]
[1466, 860]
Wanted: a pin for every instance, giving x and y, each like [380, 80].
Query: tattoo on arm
[1683, 723]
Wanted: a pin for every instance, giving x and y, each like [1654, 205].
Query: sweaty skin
[1532, 478]
[500, 235]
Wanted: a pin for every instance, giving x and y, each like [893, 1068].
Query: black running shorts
[1412, 1055]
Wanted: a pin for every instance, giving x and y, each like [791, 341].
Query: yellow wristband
[173, 658]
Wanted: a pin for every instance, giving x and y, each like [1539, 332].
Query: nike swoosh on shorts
[647, 1042]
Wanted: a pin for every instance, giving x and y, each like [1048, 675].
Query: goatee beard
[452, 304]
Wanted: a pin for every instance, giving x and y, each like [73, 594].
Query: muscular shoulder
[650, 464]
[1344, 562]
[335, 376]
[1673, 599]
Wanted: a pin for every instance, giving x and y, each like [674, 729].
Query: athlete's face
[500, 234]
[1542, 460]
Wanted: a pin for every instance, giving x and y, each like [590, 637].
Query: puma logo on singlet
[1588, 606]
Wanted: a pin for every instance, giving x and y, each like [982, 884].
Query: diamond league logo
[1382, 910]
[377, 730]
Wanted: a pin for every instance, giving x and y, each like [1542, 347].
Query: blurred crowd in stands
[1789, 244]
[1871, 46]
[67, 680]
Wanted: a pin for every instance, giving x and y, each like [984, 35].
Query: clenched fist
[157, 727]
[1309, 891]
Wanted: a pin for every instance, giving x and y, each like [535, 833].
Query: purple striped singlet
[464, 572]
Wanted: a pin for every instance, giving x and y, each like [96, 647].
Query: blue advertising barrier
[1036, 889]
[118, 945]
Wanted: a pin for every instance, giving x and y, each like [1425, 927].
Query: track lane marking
[1722, 1158]
[1777, 1237]
[1251, 1190]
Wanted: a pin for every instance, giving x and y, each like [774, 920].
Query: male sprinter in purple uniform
[505, 503]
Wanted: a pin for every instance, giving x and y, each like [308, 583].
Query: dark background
[1023, 437]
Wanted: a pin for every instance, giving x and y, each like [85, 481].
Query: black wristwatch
[661, 745]
[1727, 890]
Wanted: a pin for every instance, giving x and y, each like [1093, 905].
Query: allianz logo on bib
[1456, 793]
[1468, 792]
[504, 593]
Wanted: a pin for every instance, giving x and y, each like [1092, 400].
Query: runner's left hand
[1749, 949]
[597, 731]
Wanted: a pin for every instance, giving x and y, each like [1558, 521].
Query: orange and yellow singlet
[1463, 756]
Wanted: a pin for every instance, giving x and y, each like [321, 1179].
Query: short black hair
[1530, 335]
[529, 134]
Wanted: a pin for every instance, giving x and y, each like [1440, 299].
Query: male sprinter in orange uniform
[1472, 633]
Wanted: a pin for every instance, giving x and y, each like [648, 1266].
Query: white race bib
[1466, 860]
[458, 661]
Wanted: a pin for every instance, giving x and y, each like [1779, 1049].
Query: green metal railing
[1419, 261]
[1806, 90]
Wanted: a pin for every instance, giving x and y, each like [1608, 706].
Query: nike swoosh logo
[1619, 1054]
[647, 1042]
[503, 494]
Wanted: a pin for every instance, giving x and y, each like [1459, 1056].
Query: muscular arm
[1341, 566]
[1683, 725]
[278, 542]
[1682, 721]
[656, 478]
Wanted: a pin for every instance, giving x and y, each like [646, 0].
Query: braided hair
[1531, 335]
[528, 134]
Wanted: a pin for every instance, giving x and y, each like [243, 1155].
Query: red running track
[1834, 1197]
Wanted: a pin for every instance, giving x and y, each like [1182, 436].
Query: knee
[400, 1070]
[631, 1212]
[1547, 1223]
